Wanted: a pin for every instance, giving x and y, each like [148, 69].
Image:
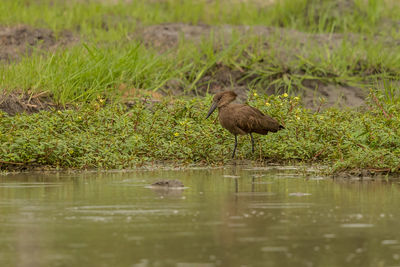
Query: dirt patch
[333, 95]
[18, 102]
[18, 40]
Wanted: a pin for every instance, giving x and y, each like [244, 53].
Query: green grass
[82, 73]
[105, 137]
[107, 56]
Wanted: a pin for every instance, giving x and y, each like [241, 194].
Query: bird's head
[221, 99]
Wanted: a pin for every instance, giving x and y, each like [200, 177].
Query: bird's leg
[252, 143]
[234, 149]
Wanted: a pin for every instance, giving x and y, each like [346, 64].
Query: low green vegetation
[112, 136]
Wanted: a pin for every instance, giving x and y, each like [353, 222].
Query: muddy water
[225, 217]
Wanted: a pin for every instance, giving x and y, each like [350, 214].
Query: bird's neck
[224, 105]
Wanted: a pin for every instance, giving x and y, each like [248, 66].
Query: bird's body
[240, 119]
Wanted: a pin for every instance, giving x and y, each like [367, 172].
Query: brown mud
[18, 102]
[20, 40]
[160, 186]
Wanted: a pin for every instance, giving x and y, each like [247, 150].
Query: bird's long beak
[212, 108]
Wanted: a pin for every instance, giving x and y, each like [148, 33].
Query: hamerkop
[241, 119]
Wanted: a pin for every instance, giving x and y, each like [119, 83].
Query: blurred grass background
[110, 51]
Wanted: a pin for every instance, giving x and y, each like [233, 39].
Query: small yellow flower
[296, 98]
[176, 134]
[79, 117]
[255, 94]
[101, 100]
[297, 118]
[267, 104]
[59, 112]
[285, 95]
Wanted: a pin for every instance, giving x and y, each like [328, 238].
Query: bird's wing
[250, 119]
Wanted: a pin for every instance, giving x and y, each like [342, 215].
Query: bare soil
[18, 102]
[19, 40]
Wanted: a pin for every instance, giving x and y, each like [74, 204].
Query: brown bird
[241, 119]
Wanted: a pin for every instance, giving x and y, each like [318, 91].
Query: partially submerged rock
[168, 183]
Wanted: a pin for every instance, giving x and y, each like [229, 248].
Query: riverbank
[121, 84]
[114, 136]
